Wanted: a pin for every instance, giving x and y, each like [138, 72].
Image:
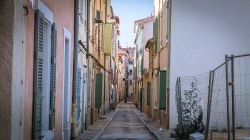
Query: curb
[150, 130]
[101, 131]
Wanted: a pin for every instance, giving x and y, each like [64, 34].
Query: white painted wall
[202, 33]
[147, 34]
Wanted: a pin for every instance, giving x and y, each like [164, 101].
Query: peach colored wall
[29, 62]
[164, 58]
[63, 11]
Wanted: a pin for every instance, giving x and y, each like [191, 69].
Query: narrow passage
[126, 125]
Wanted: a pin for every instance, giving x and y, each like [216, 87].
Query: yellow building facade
[161, 65]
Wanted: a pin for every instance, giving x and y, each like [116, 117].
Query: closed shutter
[98, 90]
[163, 85]
[141, 98]
[53, 77]
[108, 7]
[148, 93]
[137, 96]
[78, 91]
[155, 33]
[38, 77]
[107, 38]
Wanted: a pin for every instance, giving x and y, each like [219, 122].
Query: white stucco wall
[147, 34]
[202, 33]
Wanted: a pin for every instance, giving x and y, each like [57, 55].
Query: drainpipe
[87, 56]
[169, 57]
[75, 65]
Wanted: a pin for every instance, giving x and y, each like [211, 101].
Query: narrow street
[126, 125]
[124, 69]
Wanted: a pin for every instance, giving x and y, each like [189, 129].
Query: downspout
[92, 105]
[169, 57]
[142, 74]
[87, 56]
[75, 65]
[104, 77]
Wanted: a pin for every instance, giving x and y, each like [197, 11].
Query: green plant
[191, 114]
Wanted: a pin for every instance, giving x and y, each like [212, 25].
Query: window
[44, 73]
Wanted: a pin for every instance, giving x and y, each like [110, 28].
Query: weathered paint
[161, 56]
[63, 18]
[11, 72]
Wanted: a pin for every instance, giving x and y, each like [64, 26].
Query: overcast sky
[129, 11]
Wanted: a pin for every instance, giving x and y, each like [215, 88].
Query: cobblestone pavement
[126, 125]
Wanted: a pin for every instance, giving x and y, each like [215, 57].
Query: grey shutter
[78, 90]
[53, 77]
[38, 77]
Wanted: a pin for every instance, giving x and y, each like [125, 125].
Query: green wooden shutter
[53, 77]
[78, 91]
[98, 90]
[148, 93]
[137, 96]
[38, 77]
[141, 98]
[163, 85]
[155, 33]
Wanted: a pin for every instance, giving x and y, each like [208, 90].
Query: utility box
[196, 136]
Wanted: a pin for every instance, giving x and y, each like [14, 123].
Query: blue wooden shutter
[163, 90]
[78, 91]
[38, 77]
[98, 90]
[53, 77]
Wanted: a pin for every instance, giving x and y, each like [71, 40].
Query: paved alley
[126, 125]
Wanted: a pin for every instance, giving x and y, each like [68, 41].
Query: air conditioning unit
[98, 18]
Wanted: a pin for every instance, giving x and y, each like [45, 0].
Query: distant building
[122, 74]
[143, 29]
[130, 71]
